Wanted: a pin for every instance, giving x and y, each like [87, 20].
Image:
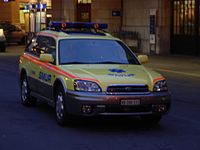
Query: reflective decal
[53, 68]
[119, 73]
[117, 70]
[45, 77]
[33, 72]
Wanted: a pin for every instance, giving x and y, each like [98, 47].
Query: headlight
[86, 86]
[160, 86]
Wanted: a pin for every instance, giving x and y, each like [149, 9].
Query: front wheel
[26, 98]
[62, 116]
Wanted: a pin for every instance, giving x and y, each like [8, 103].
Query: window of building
[49, 3]
[184, 17]
[84, 10]
[21, 12]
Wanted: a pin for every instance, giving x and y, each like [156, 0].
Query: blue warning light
[87, 25]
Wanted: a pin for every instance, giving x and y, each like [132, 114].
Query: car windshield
[94, 51]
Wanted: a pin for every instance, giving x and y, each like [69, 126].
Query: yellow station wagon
[83, 71]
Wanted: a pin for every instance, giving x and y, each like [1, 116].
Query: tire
[26, 98]
[151, 119]
[62, 116]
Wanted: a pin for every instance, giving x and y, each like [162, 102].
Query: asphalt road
[35, 128]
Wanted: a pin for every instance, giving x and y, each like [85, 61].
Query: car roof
[76, 34]
[68, 30]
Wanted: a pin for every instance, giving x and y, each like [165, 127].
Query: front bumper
[103, 104]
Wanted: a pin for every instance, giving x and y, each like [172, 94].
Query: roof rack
[81, 27]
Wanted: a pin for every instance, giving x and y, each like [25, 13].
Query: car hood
[106, 75]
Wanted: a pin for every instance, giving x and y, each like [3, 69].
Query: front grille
[127, 89]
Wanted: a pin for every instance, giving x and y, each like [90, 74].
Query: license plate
[130, 102]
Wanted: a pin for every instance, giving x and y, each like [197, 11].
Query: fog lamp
[160, 108]
[86, 109]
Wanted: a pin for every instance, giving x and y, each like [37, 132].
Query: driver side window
[31, 47]
[41, 45]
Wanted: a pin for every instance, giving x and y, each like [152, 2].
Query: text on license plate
[130, 102]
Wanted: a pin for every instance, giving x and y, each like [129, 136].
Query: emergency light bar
[87, 25]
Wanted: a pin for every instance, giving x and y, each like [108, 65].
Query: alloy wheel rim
[24, 91]
[60, 106]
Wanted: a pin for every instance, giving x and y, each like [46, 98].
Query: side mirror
[143, 59]
[47, 58]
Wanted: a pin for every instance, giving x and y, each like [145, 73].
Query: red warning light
[88, 25]
[96, 26]
[63, 25]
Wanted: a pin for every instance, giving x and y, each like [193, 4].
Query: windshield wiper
[74, 62]
[110, 62]
[103, 62]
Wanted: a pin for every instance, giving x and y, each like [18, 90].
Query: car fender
[60, 81]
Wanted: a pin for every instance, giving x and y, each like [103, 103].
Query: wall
[63, 10]
[136, 18]
[69, 10]
[165, 27]
[102, 12]
[9, 11]
[56, 9]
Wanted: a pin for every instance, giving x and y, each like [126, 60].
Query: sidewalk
[13, 49]
[180, 64]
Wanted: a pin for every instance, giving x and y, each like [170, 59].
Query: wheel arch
[58, 82]
[22, 73]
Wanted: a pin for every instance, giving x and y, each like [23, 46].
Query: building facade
[122, 15]
[160, 26]
[21, 12]
[185, 27]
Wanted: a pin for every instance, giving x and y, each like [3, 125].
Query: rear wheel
[151, 119]
[62, 116]
[26, 98]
